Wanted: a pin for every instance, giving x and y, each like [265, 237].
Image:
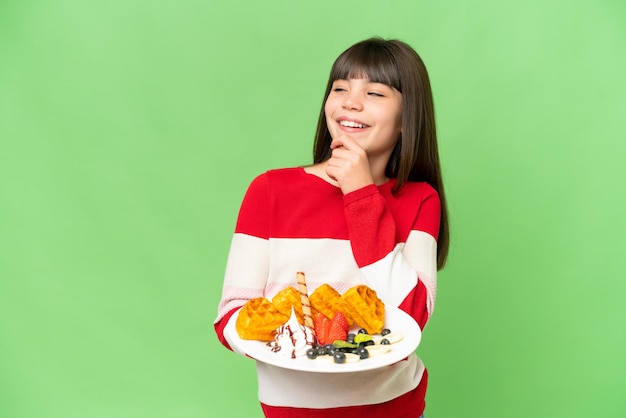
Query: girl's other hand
[349, 165]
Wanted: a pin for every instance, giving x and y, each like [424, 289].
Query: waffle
[258, 319]
[361, 304]
[287, 298]
[326, 299]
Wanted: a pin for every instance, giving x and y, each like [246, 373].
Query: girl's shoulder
[284, 173]
[293, 177]
[277, 174]
[278, 179]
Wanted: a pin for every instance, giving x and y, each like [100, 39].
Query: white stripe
[246, 272]
[248, 262]
[421, 252]
[395, 275]
[392, 277]
[324, 260]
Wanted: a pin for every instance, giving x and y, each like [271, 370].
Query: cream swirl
[292, 339]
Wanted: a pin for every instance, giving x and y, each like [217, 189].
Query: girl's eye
[373, 93]
[338, 89]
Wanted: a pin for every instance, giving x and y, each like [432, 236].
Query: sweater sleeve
[401, 270]
[248, 259]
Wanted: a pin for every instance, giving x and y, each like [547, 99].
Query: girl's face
[368, 112]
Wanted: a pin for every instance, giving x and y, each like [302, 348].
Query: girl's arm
[404, 274]
[248, 261]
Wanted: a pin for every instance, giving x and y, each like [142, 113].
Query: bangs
[371, 60]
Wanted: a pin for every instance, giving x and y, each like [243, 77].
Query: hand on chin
[348, 164]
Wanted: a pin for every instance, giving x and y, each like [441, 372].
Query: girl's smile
[350, 124]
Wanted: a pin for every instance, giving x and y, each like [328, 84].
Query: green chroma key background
[129, 132]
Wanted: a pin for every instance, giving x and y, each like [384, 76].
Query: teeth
[350, 124]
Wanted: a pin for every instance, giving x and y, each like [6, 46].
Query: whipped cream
[292, 339]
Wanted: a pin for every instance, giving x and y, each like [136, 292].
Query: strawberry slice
[336, 331]
[341, 319]
[321, 325]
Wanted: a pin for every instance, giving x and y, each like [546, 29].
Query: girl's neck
[378, 172]
[319, 170]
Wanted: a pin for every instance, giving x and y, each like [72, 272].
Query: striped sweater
[293, 221]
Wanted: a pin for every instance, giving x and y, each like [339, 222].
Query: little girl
[370, 210]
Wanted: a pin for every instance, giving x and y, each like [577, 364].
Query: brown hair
[416, 155]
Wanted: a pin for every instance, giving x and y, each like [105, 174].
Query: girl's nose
[352, 103]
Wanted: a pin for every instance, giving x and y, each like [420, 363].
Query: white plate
[395, 319]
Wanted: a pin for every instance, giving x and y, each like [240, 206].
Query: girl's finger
[343, 141]
[341, 153]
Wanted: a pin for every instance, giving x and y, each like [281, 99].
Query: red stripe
[415, 304]
[221, 324]
[289, 203]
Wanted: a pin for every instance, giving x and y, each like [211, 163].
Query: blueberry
[339, 357]
[362, 353]
[350, 338]
[311, 353]
[384, 341]
[385, 332]
[362, 331]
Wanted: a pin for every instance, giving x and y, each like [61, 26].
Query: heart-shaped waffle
[286, 299]
[361, 303]
[327, 300]
[258, 319]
